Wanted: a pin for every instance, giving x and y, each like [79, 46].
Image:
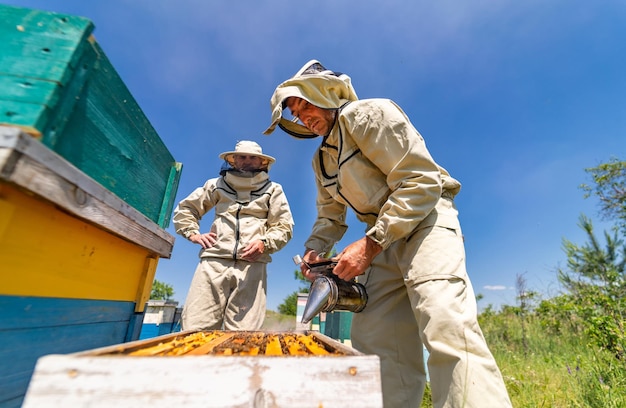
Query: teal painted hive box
[86, 192]
[57, 84]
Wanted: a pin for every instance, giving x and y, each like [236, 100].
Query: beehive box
[77, 262]
[161, 317]
[58, 85]
[80, 238]
[211, 369]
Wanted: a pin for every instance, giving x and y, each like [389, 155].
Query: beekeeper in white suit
[411, 258]
[252, 220]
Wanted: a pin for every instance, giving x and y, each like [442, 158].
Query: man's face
[244, 162]
[317, 120]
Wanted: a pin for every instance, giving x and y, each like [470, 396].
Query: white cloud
[494, 287]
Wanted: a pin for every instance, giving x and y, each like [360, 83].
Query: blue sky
[515, 99]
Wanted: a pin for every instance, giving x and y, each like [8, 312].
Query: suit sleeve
[189, 211]
[387, 138]
[279, 221]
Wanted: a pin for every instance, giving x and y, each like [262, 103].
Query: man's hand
[253, 251]
[356, 258]
[207, 240]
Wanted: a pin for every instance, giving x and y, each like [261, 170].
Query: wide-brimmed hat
[250, 148]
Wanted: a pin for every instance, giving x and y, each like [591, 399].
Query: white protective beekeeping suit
[374, 161]
[226, 289]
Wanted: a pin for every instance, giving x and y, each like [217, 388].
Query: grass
[540, 369]
[277, 322]
[543, 369]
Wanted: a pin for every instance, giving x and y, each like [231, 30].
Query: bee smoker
[328, 292]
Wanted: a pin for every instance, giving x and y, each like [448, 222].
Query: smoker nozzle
[319, 295]
[328, 292]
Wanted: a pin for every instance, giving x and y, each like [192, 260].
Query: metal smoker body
[328, 292]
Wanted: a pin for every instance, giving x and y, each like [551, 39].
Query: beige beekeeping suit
[228, 292]
[258, 200]
[374, 161]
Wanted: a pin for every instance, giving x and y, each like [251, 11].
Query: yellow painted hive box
[77, 263]
[212, 369]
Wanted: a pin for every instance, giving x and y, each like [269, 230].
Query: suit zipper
[237, 231]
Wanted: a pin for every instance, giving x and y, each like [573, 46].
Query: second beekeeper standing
[252, 220]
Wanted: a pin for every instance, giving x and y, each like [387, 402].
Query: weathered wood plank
[25, 115]
[54, 71]
[40, 44]
[25, 313]
[28, 164]
[352, 381]
[28, 90]
[45, 23]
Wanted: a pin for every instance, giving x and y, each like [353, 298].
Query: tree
[523, 296]
[610, 188]
[289, 306]
[596, 279]
[290, 303]
[161, 291]
[558, 315]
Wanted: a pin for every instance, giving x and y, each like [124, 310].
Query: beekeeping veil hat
[317, 85]
[250, 148]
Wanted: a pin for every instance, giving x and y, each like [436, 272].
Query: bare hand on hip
[206, 240]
